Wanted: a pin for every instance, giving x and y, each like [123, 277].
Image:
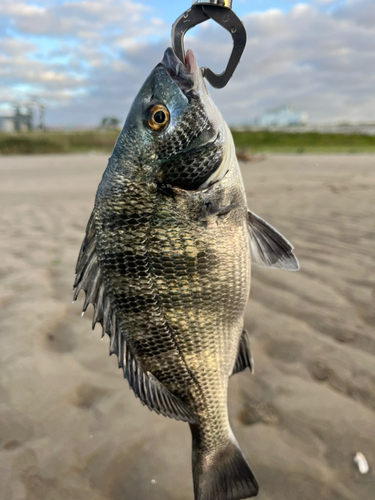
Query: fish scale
[179, 282]
[166, 263]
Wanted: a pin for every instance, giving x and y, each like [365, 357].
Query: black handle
[225, 17]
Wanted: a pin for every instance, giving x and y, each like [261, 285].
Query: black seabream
[166, 263]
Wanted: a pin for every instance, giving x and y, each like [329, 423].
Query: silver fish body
[166, 262]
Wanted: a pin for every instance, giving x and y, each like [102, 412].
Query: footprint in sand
[289, 352]
[85, 396]
[15, 430]
[60, 339]
[252, 414]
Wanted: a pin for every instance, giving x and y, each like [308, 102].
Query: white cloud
[69, 18]
[20, 9]
[11, 47]
[321, 61]
[361, 12]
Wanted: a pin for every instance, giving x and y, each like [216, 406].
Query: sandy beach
[70, 429]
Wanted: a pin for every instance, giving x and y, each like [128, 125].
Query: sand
[70, 429]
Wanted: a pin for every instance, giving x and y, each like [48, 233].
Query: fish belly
[179, 288]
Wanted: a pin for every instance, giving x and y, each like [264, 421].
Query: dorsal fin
[244, 357]
[153, 394]
[268, 247]
[146, 387]
[89, 279]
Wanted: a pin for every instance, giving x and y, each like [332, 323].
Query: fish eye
[158, 117]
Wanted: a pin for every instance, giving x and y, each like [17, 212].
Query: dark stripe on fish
[122, 219]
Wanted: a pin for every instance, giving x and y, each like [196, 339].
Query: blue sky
[87, 58]
[169, 11]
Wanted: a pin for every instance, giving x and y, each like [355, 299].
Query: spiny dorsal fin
[153, 394]
[268, 247]
[89, 279]
[145, 386]
[244, 357]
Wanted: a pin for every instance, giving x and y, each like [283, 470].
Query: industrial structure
[19, 117]
[282, 116]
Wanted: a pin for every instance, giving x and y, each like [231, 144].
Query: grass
[251, 141]
[303, 142]
[57, 142]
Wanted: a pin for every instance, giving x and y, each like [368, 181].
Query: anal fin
[244, 357]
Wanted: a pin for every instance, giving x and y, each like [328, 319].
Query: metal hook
[221, 12]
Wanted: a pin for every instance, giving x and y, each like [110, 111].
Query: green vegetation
[249, 141]
[303, 142]
[57, 142]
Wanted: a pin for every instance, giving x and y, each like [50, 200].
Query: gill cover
[189, 146]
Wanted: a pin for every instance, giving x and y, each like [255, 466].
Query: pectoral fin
[268, 247]
[244, 357]
[217, 210]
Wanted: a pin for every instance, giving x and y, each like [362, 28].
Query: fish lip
[184, 75]
[190, 62]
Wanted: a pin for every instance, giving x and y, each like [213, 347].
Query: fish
[166, 263]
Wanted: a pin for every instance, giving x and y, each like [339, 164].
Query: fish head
[174, 134]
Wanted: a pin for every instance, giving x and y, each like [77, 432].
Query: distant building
[20, 119]
[6, 122]
[283, 116]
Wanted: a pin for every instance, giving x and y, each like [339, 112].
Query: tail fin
[222, 475]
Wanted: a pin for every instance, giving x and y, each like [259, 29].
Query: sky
[86, 59]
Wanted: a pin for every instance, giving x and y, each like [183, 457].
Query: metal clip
[221, 12]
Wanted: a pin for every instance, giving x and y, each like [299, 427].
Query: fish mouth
[185, 75]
